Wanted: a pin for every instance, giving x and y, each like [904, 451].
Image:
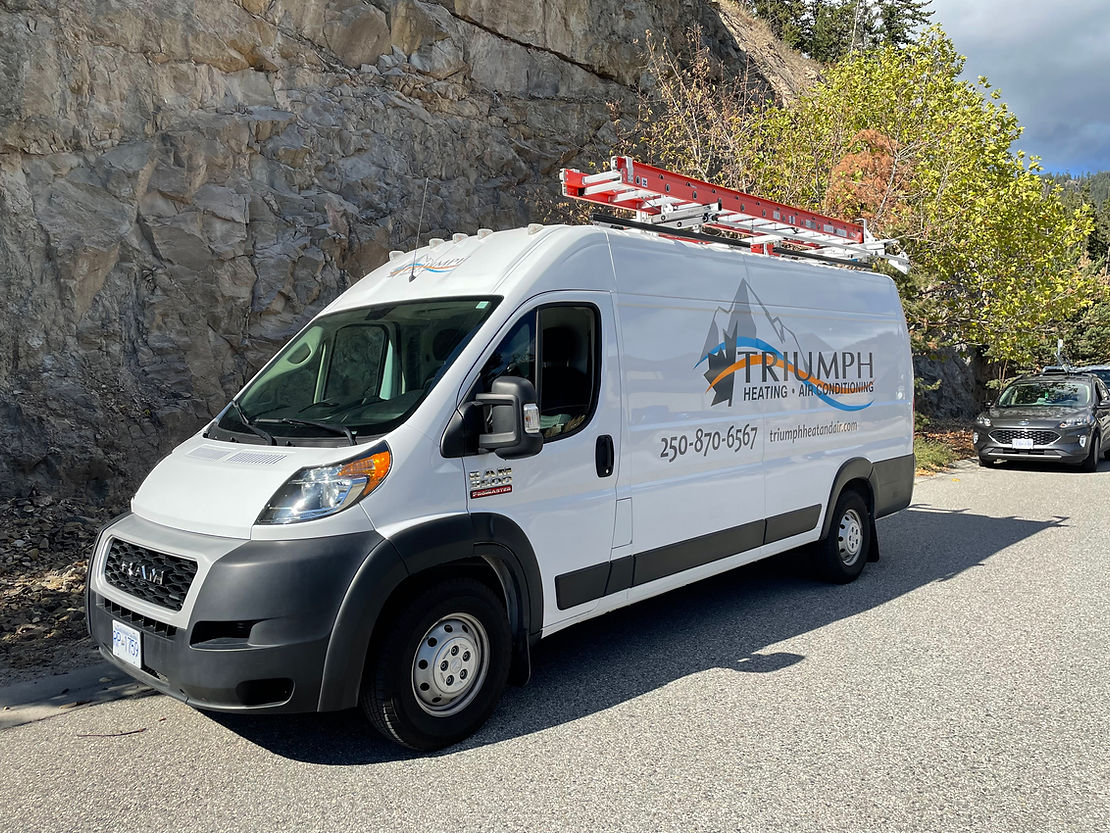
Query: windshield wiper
[254, 428]
[335, 429]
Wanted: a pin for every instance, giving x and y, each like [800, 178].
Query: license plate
[1022, 442]
[127, 644]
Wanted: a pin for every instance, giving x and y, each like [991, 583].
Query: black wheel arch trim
[857, 468]
[890, 483]
[437, 543]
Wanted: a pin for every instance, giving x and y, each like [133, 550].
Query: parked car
[1055, 417]
[1102, 371]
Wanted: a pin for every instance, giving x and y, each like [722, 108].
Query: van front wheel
[438, 670]
[843, 552]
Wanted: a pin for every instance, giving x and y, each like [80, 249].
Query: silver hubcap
[450, 664]
[849, 537]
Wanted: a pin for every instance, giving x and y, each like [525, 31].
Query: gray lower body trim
[590, 583]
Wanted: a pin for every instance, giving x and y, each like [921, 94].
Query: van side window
[563, 365]
[515, 355]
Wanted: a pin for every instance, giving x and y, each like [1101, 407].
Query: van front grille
[143, 623]
[149, 575]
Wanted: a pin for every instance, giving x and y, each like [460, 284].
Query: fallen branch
[115, 734]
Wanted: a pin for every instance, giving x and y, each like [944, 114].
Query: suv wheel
[1090, 463]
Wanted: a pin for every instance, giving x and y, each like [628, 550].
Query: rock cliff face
[184, 182]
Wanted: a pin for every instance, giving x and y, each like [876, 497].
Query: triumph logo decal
[436, 267]
[490, 482]
[737, 355]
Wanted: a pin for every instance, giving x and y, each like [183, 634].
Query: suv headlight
[1074, 422]
[324, 490]
[983, 420]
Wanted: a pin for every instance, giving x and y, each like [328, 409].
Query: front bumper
[1066, 445]
[253, 634]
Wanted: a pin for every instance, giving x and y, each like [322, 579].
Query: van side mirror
[512, 419]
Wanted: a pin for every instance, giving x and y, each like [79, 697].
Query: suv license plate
[1022, 442]
[127, 644]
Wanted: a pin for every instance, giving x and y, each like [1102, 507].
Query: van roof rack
[670, 204]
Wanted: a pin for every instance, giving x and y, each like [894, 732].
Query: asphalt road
[962, 683]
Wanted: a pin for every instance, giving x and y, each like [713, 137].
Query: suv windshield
[355, 374]
[1054, 394]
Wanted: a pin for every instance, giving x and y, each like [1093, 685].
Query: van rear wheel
[440, 666]
[843, 552]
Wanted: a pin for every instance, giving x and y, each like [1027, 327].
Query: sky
[1051, 61]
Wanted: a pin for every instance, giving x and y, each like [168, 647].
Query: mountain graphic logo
[738, 346]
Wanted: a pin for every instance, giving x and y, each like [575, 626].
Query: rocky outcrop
[951, 383]
[184, 182]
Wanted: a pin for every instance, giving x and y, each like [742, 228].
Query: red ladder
[669, 200]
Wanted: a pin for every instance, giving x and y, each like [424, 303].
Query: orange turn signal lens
[374, 468]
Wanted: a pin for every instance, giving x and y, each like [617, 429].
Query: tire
[843, 552]
[1090, 462]
[440, 666]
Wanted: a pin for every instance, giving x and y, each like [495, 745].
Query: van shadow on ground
[724, 622]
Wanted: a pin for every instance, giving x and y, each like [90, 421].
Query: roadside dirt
[44, 549]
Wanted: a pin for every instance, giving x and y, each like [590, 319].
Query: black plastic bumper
[1065, 450]
[268, 631]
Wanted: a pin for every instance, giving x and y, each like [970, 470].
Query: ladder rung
[605, 176]
[607, 187]
[636, 194]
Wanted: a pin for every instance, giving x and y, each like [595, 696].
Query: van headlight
[324, 490]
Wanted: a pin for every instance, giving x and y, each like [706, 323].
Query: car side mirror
[512, 419]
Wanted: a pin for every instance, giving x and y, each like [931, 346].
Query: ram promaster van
[495, 437]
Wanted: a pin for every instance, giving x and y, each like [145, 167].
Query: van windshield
[355, 374]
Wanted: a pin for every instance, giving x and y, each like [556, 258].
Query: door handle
[604, 455]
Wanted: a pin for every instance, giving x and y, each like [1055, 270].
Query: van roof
[520, 262]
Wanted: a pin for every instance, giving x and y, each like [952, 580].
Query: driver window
[563, 366]
[515, 355]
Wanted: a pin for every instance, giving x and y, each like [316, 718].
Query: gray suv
[1053, 417]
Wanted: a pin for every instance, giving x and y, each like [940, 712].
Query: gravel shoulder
[44, 549]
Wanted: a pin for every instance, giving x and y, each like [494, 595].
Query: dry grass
[939, 443]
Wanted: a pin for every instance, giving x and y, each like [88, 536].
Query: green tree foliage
[894, 136]
[836, 27]
[1087, 335]
[786, 18]
[900, 20]
[1094, 190]
[827, 30]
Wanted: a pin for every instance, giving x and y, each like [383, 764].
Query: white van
[491, 439]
